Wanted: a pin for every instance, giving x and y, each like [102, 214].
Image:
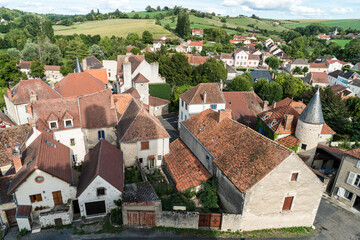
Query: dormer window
[68, 123]
[53, 125]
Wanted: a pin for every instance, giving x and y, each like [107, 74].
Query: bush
[160, 90]
[162, 190]
[132, 175]
[190, 192]
[23, 232]
[177, 200]
[208, 196]
[116, 216]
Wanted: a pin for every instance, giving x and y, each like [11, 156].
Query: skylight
[32, 159]
[50, 144]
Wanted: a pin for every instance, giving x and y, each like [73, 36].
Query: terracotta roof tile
[100, 74]
[139, 78]
[245, 106]
[75, 84]
[155, 101]
[196, 44]
[243, 155]
[318, 65]
[4, 187]
[106, 161]
[226, 56]
[45, 154]
[136, 124]
[23, 211]
[5, 119]
[196, 94]
[133, 92]
[11, 137]
[24, 64]
[121, 102]
[288, 141]
[354, 152]
[21, 92]
[327, 130]
[336, 152]
[52, 68]
[319, 77]
[254, 57]
[186, 169]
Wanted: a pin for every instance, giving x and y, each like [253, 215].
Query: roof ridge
[132, 122]
[283, 116]
[99, 158]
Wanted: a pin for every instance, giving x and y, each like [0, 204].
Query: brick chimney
[223, 114]
[204, 97]
[33, 97]
[16, 156]
[288, 122]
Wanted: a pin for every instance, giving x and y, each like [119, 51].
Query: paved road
[170, 124]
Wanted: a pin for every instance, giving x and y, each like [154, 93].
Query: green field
[116, 27]
[344, 23]
[341, 42]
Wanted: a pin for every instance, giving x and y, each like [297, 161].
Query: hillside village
[260, 134]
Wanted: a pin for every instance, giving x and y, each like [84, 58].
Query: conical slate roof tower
[78, 68]
[313, 114]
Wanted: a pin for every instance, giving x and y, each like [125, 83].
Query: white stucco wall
[53, 76]
[132, 150]
[92, 137]
[334, 66]
[49, 185]
[90, 195]
[264, 201]
[147, 70]
[143, 90]
[77, 134]
[23, 222]
[11, 110]
[111, 67]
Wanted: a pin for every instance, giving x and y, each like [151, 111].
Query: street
[170, 122]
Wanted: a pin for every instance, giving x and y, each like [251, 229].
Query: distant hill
[344, 23]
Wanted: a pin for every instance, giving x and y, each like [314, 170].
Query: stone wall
[231, 222]
[178, 219]
[48, 218]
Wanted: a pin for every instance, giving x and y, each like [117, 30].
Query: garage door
[10, 215]
[141, 218]
[93, 208]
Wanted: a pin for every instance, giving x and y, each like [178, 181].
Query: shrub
[116, 216]
[132, 175]
[190, 192]
[23, 232]
[208, 196]
[162, 190]
[177, 200]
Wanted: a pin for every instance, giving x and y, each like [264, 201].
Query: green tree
[13, 52]
[17, 38]
[96, 51]
[9, 71]
[273, 62]
[292, 87]
[48, 30]
[135, 51]
[75, 49]
[208, 196]
[51, 54]
[352, 49]
[132, 39]
[37, 69]
[30, 51]
[147, 37]
[258, 46]
[297, 70]
[183, 24]
[305, 70]
[176, 69]
[175, 96]
[240, 83]
[269, 91]
[211, 71]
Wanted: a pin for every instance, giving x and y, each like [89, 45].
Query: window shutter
[99, 135]
[103, 134]
[287, 203]
[341, 192]
[358, 164]
[351, 178]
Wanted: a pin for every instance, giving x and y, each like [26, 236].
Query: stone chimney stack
[33, 97]
[16, 157]
[288, 122]
[265, 105]
[204, 97]
[224, 113]
[221, 85]
[8, 93]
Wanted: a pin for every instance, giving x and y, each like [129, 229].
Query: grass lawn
[117, 27]
[344, 23]
[160, 90]
[341, 42]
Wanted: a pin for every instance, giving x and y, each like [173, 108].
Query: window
[185, 117]
[207, 158]
[213, 106]
[101, 134]
[53, 125]
[182, 102]
[181, 116]
[145, 145]
[287, 203]
[344, 193]
[357, 164]
[39, 179]
[159, 157]
[294, 177]
[100, 191]
[35, 198]
[186, 106]
[229, 103]
[140, 160]
[68, 123]
[74, 157]
[152, 163]
[357, 181]
[50, 144]
[303, 146]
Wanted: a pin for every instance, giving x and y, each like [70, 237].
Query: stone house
[52, 72]
[157, 45]
[141, 137]
[198, 46]
[334, 64]
[333, 76]
[301, 63]
[354, 86]
[101, 181]
[345, 78]
[91, 63]
[347, 183]
[227, 58]
[5, 121]
[197, 32]
[158, 106]
[25, 91]
[44, 181]
[199, 98]
[266, 184]
[7, 204]
[318, 67]
[110, 66]
[317, 79]
[296, 126]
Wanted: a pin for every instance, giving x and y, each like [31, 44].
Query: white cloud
[33, 4]
[341, 10]
[292, 7]
[215, 10]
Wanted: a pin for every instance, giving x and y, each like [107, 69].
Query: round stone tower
[308, 128]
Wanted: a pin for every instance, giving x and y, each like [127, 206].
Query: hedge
[160, 90]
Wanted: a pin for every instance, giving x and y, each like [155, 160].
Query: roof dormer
[53, 121]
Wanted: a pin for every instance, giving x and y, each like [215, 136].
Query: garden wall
[231, 222]
[178, 219]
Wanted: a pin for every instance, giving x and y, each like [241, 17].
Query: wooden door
[57, 198]
[215, 220]
[10, 215]
[147, 218]
[133, 218]
[58, 222]
[204, 220]
[210, 220]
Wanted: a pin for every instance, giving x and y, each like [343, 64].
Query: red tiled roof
[121, 102]
[54, 160]
[197, 30]
[245, 106]
[133, 92]
[338, 88]
[155, 101]
[136, 124]
[59, 110]
[196, 94]
[5, 119]
[318, 65]
[226, 56]
[100, 74]
[12, 136]
[139, 78]
[243, 155]
[288, 141]
[24, 64]
[76, 84]
[52, 68]
[333, 61]
[21, 92]
[104, 160]
[327, 130]
[96, 110]
[336, 152]
[354, 152]
[319, 77]
[185, 168]
[4, 186]
[254, 57]
[196, 44]
[23, 211]
[135, 61]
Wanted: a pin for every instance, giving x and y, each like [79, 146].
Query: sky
[276, 9]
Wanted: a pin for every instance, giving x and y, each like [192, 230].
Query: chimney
[8, 93]
[16, 157]
[204, 97]
[221, 85]
[274, 105]
[223, 114]
[33, 97]
[265, 105]
[288, 122]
